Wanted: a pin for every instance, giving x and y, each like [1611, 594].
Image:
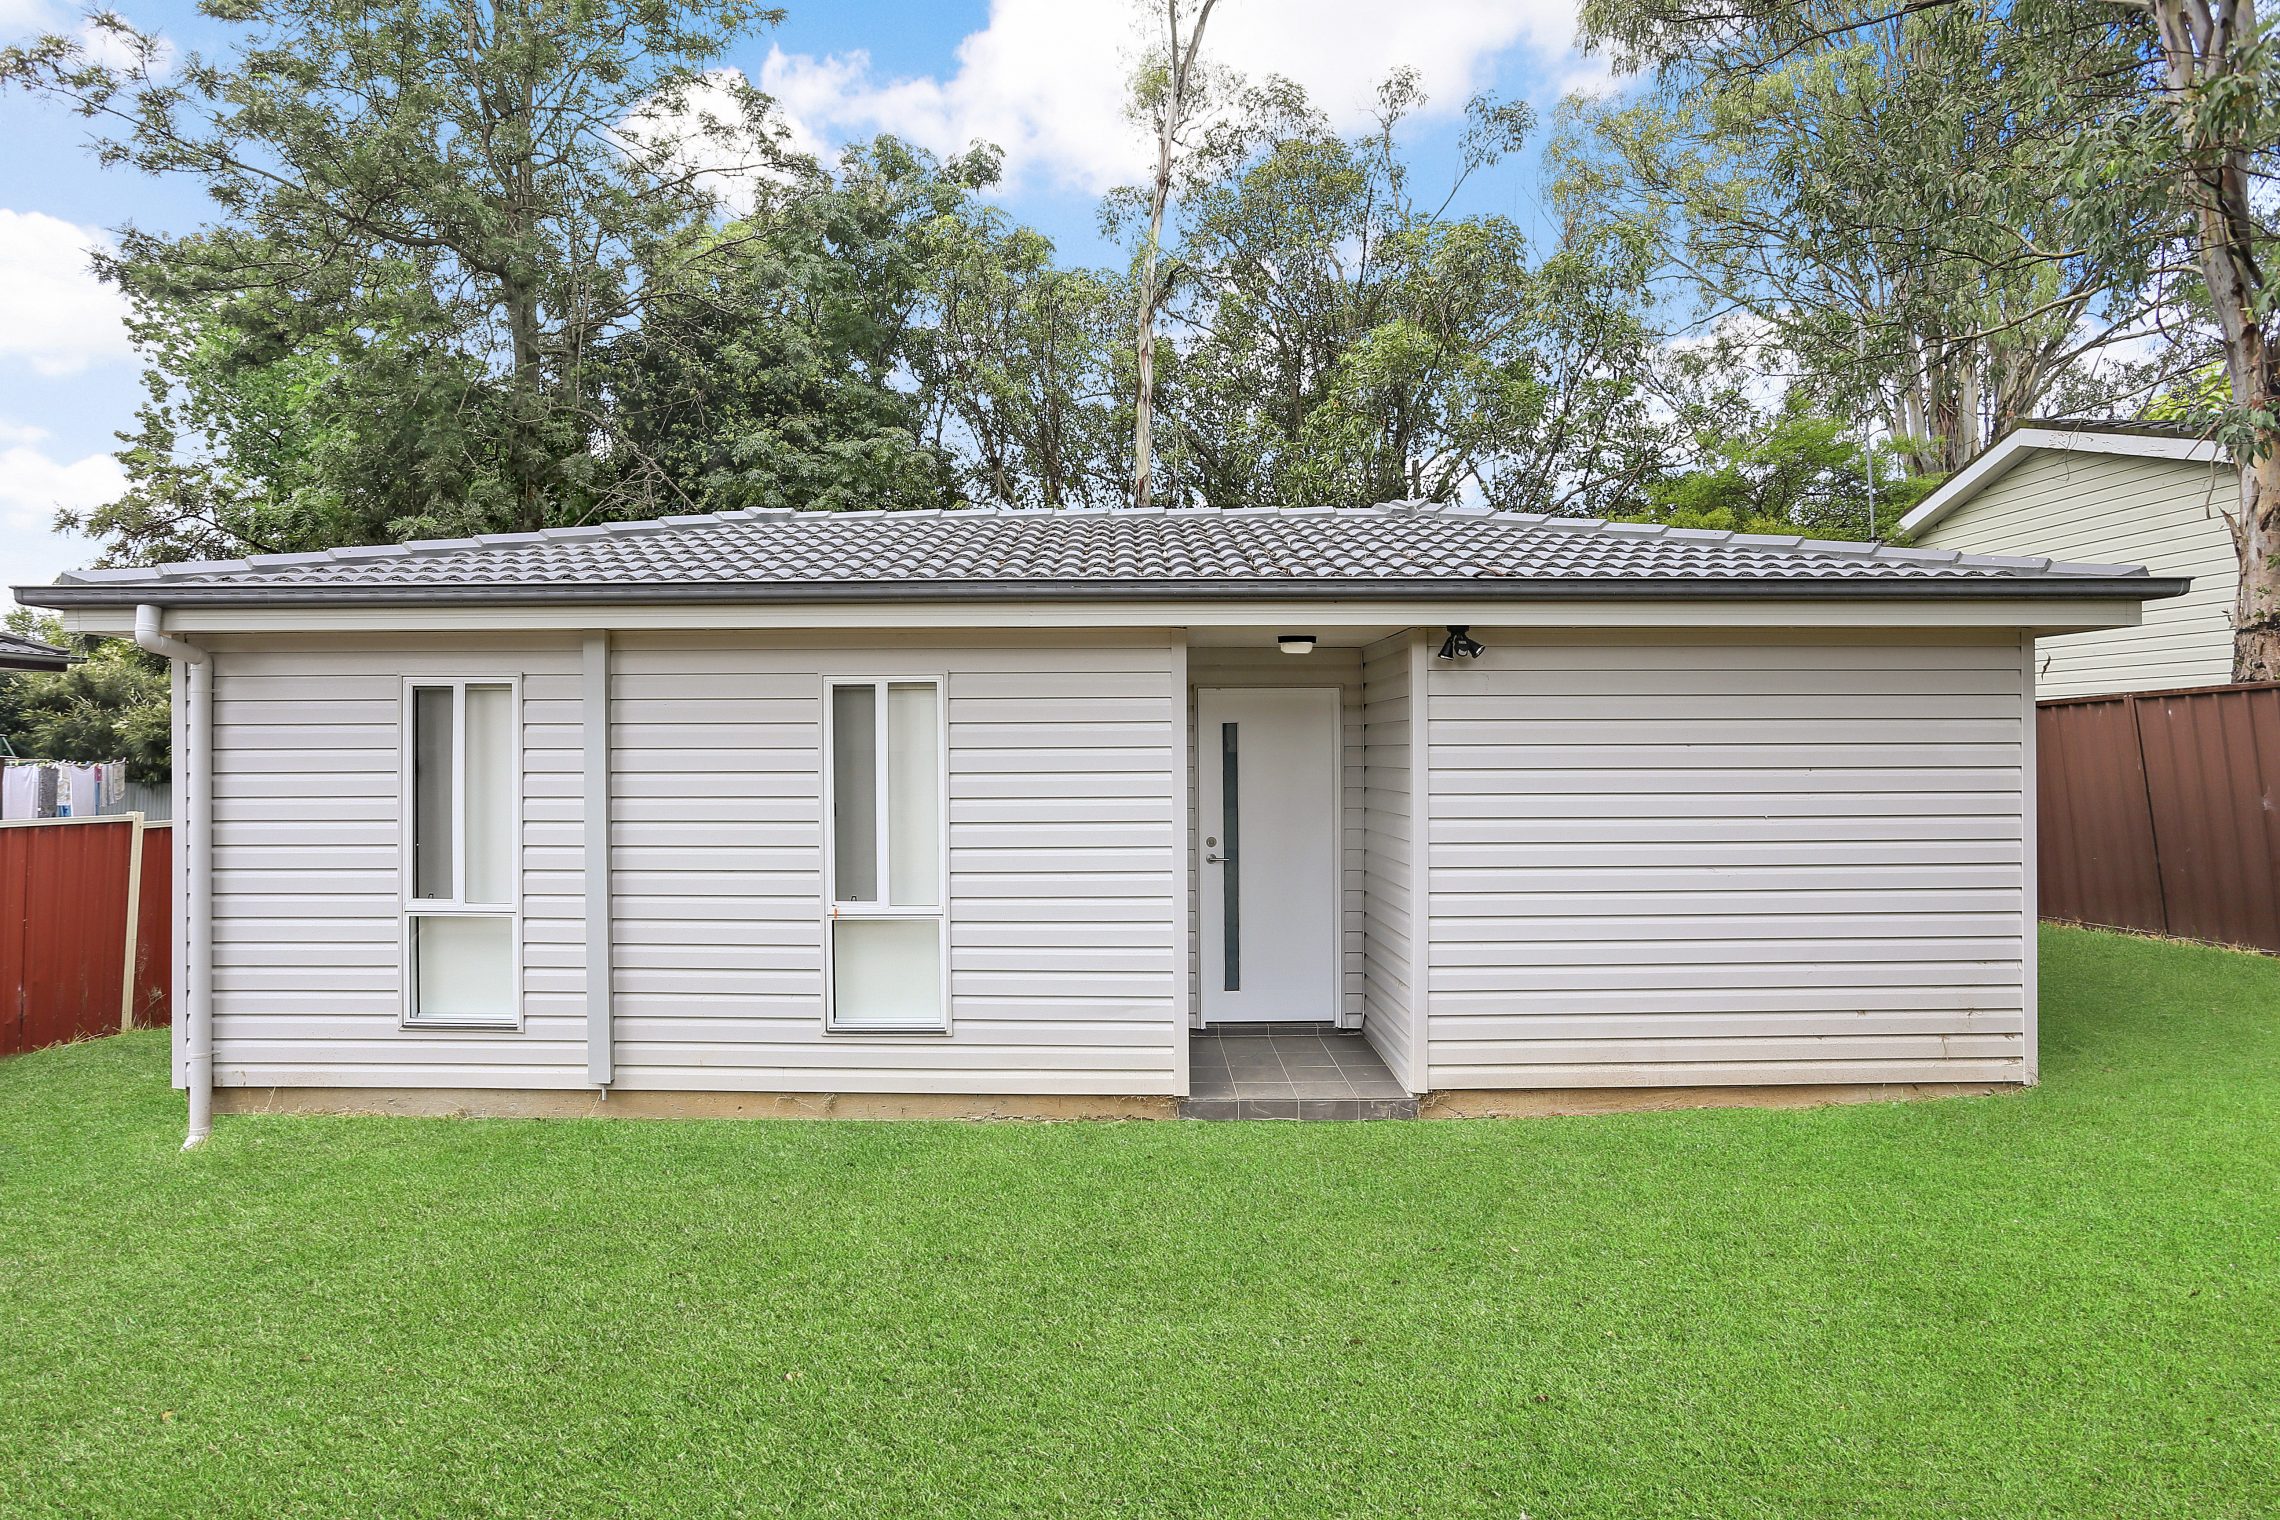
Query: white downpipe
[196, 809]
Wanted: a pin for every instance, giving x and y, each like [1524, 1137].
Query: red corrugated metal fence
[2158, 812]
[154, 930]
[84, 947]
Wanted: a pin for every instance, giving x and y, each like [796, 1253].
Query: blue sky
[1039, 77]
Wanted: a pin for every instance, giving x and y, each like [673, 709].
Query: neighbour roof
[2081, 435]
[20, 653]
[1399, 549]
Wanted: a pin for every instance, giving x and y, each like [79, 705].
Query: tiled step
[1290, 1071]
[1298, 1108]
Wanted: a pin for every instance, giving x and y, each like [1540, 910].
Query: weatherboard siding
[1389, 979]
[308, 831]
[1062, 850]
[1723, 858]
[1059, 824]
[2164, 514]
[1727, 860]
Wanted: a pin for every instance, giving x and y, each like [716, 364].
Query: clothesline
[61, 789]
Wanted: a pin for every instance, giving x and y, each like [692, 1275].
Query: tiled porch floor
[1290, 1071]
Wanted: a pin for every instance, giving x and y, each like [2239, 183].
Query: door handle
[1211, 860]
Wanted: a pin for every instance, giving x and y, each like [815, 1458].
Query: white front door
[1267, 852]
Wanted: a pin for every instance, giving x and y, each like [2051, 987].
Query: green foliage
[2196, 399]
[767, 374]
[471, 270]
[1796, 472]
[1886, 194]
[260, 432]
[1343, 341]
[431, 217]
[113, 705]
[1978, 193]
[1023, 368]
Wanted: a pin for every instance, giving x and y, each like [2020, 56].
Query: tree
[271, 435]
[2158, 162]
[1793, 471]
[438, 212]
[1019, 368]
[2220, 78]
[873, 338]
[1169, 95]
[771, 370]
[1343, 339]
[113, 705]
[1880, 207]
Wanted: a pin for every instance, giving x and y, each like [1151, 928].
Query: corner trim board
[2030, 807]
[1183, 866]
[1420, 1073]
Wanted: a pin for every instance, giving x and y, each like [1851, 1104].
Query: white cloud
[17, 17]
[108, 46]
[104, 45]
[54, 314]
[706, 130]
[1045, 80]
[32, 485]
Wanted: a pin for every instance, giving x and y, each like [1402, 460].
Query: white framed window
[885, 742]
[462, 872]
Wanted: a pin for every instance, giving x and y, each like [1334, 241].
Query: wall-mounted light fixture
[1461, 645]
[1296, 643]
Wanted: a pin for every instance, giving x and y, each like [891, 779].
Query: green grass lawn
[2065, 1302]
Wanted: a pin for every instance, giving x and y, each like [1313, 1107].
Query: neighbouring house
[989, 812]
[2115, 493]
[20, 653]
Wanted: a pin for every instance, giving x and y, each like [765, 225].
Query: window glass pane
[431, 792]
[914, 796]
[854, 794]
[462, 968]
[886, 972]
[490, 794]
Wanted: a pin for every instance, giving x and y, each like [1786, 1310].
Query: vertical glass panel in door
[433, 805]
[491, 788]
[1231, 857]
[914, 796]
[854, 794]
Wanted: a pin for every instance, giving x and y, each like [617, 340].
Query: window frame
[834, 911]
[411, 907]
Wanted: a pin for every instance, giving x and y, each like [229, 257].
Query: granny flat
[1009, 813]
[2149, 494]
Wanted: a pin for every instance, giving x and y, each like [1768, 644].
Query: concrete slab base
[1532, 1103]
[585, 1103]
[1567, 1102]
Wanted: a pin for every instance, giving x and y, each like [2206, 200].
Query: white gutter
[197, 811]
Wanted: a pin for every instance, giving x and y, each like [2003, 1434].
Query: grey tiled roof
[1396, 549]
[20, 653]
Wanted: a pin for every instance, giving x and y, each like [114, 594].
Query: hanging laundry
[20, 792]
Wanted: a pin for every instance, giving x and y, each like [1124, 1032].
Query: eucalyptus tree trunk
[1176, 100]
[2207, 50]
